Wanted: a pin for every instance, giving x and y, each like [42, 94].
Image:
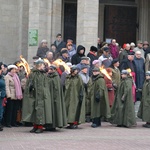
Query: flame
[60, 62]
[25, 64]
[46, 61]
[129, 70]
[104, 72]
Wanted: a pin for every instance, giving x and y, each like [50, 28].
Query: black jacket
[92, 57]
[41, 52]
[60, 46]
[76, 58]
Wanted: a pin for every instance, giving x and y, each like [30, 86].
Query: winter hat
[131, 53]
[73, 68]
[53, 67]
[12, 67]
[93, 48]
[63, 51]
[115, 61]
[147, 73]
[106, 49]
[38, 61]
[95, 62]
[69, 43]
[96, 69]
[124, 72]
[132, 44]
[44, 41]
[84, 66]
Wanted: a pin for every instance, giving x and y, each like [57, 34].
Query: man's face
[98, 40]
[59, 38]
[145, 46]
[124, 76]
[127, 47]
[138, 55]
[147, 77]
[96, 73]
[41, 67]
[85, 70]
[106, 53]
[69, 47]
[113, 42]
[44, 44]
[140, 45]
[81, 51]
[65, 55]
[50, 55]
[130, 57]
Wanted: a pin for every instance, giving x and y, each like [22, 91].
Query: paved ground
[106, 137]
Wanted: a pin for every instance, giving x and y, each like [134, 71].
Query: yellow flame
[104, 72]
[25, 64]
[47, 61]
[129, 70]
[60, 62]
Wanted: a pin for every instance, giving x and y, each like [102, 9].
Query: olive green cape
[122, 112]
[36, 101]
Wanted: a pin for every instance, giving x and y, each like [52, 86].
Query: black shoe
[1, 128]
[146, 125]
[39, 131]
[15, 125]
[73, 126]
[8, 126]
[119, 126]
[33, 130]
[94, 125]
[50, 129]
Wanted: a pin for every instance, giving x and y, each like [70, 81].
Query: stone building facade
[43, 19]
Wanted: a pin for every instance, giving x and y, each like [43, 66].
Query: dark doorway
[120, 23]
[70, 20]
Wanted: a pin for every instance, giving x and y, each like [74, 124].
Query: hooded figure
[99, 98]
[74, 99]
[76, 58]
[144, 109]
[58, 104]
[37, 100]
[122, 112]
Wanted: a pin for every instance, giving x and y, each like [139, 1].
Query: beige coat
[147, 63]
[10, 87]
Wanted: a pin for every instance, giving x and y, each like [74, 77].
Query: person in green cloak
[122, 112]
[74, 99]
[99, 98]
[57, 100]
[36, 101]
[144, 109]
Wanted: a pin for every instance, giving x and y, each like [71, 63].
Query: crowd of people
[66, 88]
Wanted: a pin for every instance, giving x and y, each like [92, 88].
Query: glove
[97, 97]
[123, 98]
[31, 87]
[114, 85]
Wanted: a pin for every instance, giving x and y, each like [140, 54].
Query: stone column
[87, 23]
[101, 22]
[143, 20]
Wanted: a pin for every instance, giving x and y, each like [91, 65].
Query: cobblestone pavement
[107, 137]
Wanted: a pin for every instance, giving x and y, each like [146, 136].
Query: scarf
[17, 85]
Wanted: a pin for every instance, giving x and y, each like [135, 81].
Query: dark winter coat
[41, 52]
[92, 57]
[57, 101]
[122, 112]
[140, 72]
[76, 58]
[60, 46]
[144, 109]
[99, 98]
[37, 101]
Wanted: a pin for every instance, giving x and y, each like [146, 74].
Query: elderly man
[140, 73]
[140, 48]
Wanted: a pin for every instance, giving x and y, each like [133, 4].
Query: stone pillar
[101, 22]
[87, 23]
[45, 16]
[143, 20]
[148, 22]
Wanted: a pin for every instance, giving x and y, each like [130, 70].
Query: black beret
[93, 48]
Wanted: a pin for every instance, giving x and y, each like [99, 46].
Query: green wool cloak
[122, 112]
[144, 109]
[75, 99]
[99, 98]
[57, 101]
[36, 101]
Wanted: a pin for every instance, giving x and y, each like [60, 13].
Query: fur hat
[12, 67]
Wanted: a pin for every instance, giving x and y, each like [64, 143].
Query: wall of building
[9, 33]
